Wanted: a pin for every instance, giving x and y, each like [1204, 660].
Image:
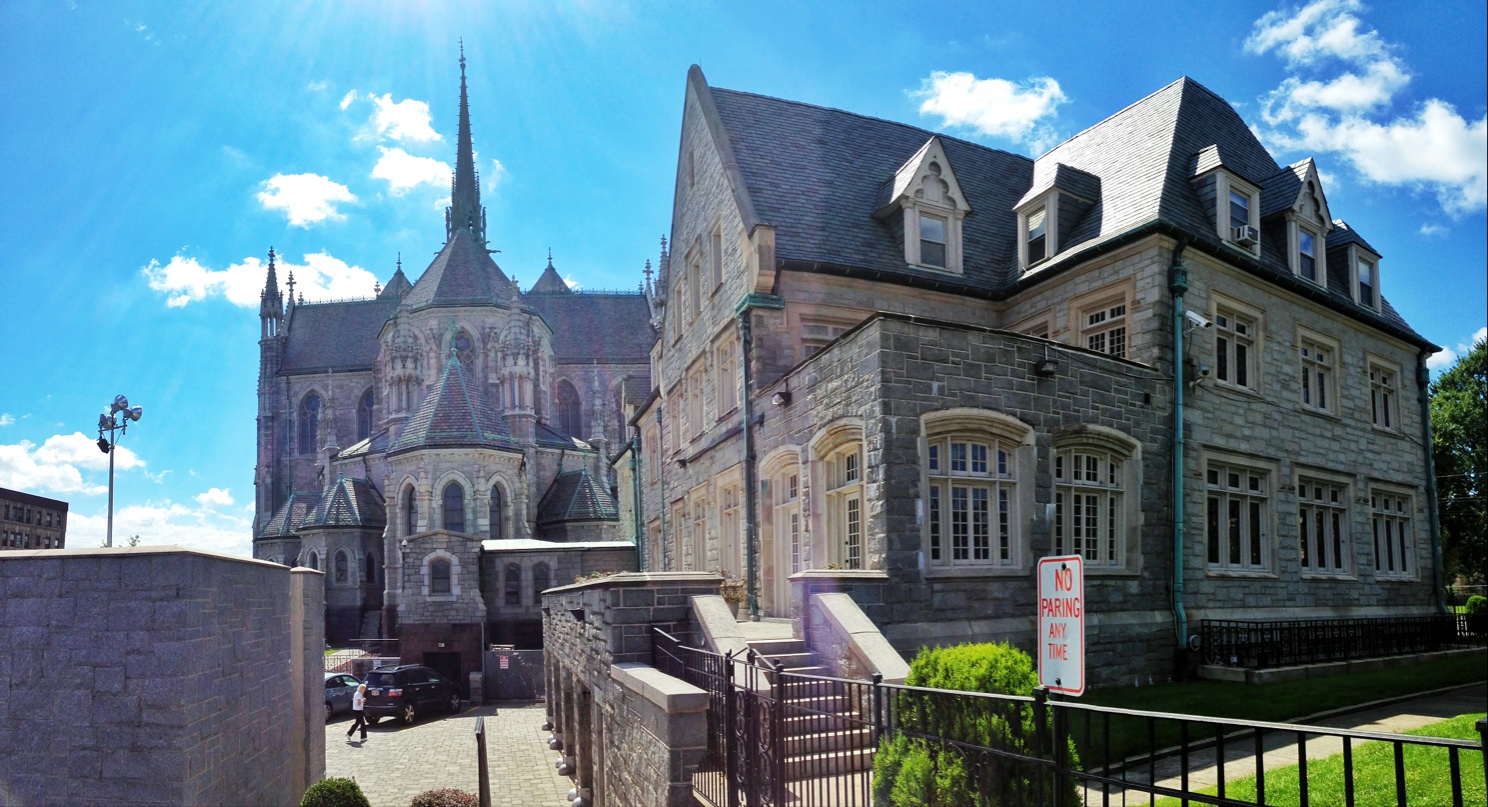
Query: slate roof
[334, 336]
[815, 174]
[290, 515]
[349, 503]
[453, 414]
[374, 444]
[1343, 235]
[397, 286]
[461, 274]
[1280, 190]
[550, 282]
[604, 327]
[576, 496]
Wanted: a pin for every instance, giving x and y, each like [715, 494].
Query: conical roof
[461, 274]
[576, 496]
[290, 516]
[550, 282]
[454, 414]
[349, 503]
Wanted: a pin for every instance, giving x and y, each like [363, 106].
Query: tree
[132, 540]
[1459, 436]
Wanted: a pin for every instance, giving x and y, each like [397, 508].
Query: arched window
[342, 567]
[496, 512]
[364, 416]
[1094, 467]
[840, 471]
[540, 582]
[439, 577]
[464, 348]
[371, 568]
[513, 584]
[410, 511]
[454, 507]
[567, 403]
[314, 560]
[309, 423]
[974, 463]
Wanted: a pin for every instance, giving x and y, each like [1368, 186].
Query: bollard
[480, 761]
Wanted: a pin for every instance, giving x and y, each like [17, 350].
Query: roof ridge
[1182, 81]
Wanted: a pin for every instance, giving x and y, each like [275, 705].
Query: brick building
[923, 364]
[438, 449]
[28, 521]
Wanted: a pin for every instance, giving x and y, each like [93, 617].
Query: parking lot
[398, 762]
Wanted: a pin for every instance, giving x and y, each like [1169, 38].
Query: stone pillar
[307, 687]
[583, 742]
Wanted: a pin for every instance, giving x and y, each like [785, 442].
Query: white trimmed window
[972, 501]
[1239, 208]
[1104, 329]
[1383, 380]
[730, 536]
[1367, 290]
[1308, 265]
[787, 518]
[1322, 526]
[695, 284]
[1394, 539]
[845, 514]
[1035, 235]
[725, 376]
[680, 555]
[715, 256]
[816, 335]
[695, 400]
[1237, 516]
[698, 535]
[1234, 348]
[1317, 359]
[933, 240]
[1088, 511]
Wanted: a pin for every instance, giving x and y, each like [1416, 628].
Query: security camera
[1197, 320]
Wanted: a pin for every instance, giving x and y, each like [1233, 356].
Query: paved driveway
[398, 762]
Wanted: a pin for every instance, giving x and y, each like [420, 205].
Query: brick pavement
[398, 762]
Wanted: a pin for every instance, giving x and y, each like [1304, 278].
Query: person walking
[358, 704]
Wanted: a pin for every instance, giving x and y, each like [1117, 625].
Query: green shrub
[912, 772]
[448, 797]
[334, 793]
[1477, 614]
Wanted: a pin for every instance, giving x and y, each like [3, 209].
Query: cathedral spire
[270, 302]
[465, 211]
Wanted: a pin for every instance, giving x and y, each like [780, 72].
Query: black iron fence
[1261, 645]
[361, 656]
[779, 738]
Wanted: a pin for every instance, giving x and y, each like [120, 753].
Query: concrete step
[788, 660]
[770, 647]
[797, 724]
[828, 763]
[818, 704]
[823, 741]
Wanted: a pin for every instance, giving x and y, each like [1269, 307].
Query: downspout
[1423, 397]
[1178, 285]
[661, 484]
[751, 560]
[635, 495]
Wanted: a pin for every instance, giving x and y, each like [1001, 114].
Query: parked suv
[408, 691]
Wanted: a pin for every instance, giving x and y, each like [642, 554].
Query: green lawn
[1427, 774]
[1277, 702]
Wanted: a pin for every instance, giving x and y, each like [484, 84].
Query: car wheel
[454, 702]
[409, 713]
[370, 719]
[330, 710]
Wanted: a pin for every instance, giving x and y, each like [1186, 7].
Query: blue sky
[152, 153]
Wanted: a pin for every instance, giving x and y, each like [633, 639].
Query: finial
[400, 260]
[663, 245]
[550, 257]
[462, 57]
[376, 288]
[647, 271]
[302, 298]
[271, 256]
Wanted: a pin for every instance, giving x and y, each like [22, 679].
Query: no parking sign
[1061, 624]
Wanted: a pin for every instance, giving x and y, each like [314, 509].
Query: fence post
[878, 711]
[1061, 755]
[777, 737]
[480, 761]
[730, 742]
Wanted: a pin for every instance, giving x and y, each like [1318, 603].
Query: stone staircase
[825, 734]
[371, 625]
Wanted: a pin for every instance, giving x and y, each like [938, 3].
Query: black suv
[406, 692]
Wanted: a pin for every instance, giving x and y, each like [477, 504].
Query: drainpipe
[1423, 397]
[635, 491]
[661, 483]
[1178, 285]
[751, 559]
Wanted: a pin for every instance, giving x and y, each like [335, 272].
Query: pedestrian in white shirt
[358, 704]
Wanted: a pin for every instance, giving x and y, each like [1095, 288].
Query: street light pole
[116, 427]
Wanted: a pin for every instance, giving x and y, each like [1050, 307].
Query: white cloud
[317, 86]
[6, 419]
[320, 276]
[404, 121]
[351, 95]
[571, 283]
[1447, 357]
[58, 465]
[305, 199]
[992, 106]
[404, 171]
[1357, 76]
[163, 523]
[1431, 229]
[496, 176]
[215, 497]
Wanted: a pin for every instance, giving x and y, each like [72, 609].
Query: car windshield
[379, 679]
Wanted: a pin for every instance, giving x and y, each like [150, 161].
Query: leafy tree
[132, 540]
[1459, 431]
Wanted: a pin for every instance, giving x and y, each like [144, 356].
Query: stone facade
[158, 675]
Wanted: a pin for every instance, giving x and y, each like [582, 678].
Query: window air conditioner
[1245, 236]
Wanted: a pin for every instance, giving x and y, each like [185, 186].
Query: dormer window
[1367, 283]
[932, 240]
[1239, 210]
[1307, 263]
[1037, 235]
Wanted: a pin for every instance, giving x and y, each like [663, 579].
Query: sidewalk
[398, 762]
[1281, 749]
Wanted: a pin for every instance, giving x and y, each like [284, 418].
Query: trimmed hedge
[334, 793]
[1477, 614]
[448, 797]
[942, 768]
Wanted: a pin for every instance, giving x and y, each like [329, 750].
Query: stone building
[31, 521]
[438, 449]
[907, 366]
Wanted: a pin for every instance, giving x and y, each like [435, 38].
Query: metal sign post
[1061, 624]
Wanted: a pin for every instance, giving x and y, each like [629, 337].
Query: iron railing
[781, 738]
[1261, 645]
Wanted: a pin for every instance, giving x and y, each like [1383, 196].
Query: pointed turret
[271, 303]
[465, 211]
[550, 282]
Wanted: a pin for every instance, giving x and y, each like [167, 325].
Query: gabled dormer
[1360, 262]
[1047, 214]
[1232, 202]
[924, 202]
[1292, 201]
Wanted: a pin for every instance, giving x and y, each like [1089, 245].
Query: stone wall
[155, 675]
